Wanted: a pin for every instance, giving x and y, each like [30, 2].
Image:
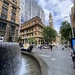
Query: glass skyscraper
[30, 9]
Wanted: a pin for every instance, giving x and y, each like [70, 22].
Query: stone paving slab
[59, 62]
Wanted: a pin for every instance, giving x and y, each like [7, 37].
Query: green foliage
[20, 39]
[32, 40]
[49, 34]
[66, 32]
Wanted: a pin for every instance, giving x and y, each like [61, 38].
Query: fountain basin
[43, 67]
[12, 62]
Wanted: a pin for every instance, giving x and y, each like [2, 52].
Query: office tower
[30, 9]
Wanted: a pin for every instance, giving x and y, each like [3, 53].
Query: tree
[20, 39]
[66, 32]
[32, 40]
[49, 34]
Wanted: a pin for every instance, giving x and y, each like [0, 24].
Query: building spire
[51, 21]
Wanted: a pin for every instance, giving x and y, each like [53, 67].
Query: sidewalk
[59, 61]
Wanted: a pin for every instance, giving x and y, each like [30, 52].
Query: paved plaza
[59, 61]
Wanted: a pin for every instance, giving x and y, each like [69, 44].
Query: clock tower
[51, 21]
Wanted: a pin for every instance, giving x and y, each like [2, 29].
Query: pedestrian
[73, 57]
[41, 47]
[51, 47]
[63, 48]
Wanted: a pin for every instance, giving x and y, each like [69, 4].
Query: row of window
[28, 35]
[5, 12]
[32, 34]
[3, 26]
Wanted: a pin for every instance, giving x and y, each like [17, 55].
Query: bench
[29, 49]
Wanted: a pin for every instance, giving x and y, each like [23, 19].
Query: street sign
[73, 43]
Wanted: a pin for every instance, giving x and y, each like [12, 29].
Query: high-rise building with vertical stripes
[30, 9]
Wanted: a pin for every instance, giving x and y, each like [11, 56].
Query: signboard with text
[73, 43]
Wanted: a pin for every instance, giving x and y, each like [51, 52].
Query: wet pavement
[59, 61]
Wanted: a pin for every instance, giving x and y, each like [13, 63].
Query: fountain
[12, 62]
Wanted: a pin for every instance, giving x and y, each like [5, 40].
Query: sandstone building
[72, 16]
[32, 28]
[9, 19]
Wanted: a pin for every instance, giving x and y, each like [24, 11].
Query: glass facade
[30, 9]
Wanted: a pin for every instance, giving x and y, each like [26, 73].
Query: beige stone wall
[17, 6]
[72, 16]
[73, 23]
[7, 33]
[1, 3]
[18, 16]
[17, 19]
[9, 12]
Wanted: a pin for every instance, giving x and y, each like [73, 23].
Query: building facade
[30, 9]
[72, 16]
[32, 28]
[9, 19]
[51, 21]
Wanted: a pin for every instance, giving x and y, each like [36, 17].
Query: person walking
[40, 47]
[73, 57]
[51, 47]
[63, 47]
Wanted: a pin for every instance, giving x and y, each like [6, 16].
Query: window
[35, 33]
[35, 28]
[4, 10]
[32, 29]
[32, 34]
[5, 3]
[13, 9]
[12, 28]
[3, 16]
[13, 15]
[3, 25]
[14, 1]
[12, 20]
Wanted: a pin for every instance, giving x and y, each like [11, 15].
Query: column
[7, 33]
[9, 12]
[16, 35]
[1, 3]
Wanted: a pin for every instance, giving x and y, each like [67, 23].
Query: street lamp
[71, 26]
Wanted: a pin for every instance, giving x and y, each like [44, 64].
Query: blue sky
[58, 8]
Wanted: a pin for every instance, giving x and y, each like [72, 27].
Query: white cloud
[58, 8]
